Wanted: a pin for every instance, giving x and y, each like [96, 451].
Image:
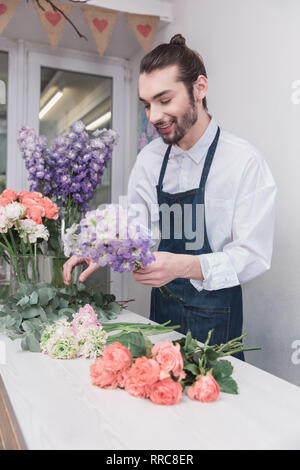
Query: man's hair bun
[178, 40]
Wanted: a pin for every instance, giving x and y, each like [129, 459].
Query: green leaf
[227, 385]
[45, 295]
[33, 311]
[33, 299]
[134, 342]
[23, 301]
[211, 354]
[192, 368]
[114, 308]
[63, 303]
[33, 343]
[24, 344]
[6, 322]
[66, 312]
[27, 326]
[98, 297]
[223, 368]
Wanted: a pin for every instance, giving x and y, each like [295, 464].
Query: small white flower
[14, 211]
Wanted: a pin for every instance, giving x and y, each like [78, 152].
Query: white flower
[92, 341]
[28, 227]
[5, 223]
[14, 211]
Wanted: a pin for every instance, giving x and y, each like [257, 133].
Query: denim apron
[220, 310]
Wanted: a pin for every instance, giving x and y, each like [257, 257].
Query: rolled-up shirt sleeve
[249, 253]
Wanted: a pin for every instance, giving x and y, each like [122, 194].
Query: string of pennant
[101, 22]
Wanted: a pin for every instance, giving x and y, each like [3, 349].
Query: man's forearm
[189, 267]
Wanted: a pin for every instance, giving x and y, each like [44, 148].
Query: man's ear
[200, 88]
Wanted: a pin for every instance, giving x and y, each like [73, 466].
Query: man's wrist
[189, 267]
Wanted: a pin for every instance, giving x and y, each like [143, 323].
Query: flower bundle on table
[83, 337]
[108, 238]
[157, 378]
[167, 368]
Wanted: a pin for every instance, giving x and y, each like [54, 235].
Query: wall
[251, 51]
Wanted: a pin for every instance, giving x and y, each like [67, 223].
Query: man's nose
[155, 115]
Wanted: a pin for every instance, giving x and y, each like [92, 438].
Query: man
[195, 169]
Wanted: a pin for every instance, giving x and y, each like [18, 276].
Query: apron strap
[164, 166]
[209, 159]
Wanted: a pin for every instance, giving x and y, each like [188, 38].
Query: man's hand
[167, 267]
[74, 261]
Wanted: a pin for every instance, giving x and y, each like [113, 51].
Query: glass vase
[39, 268]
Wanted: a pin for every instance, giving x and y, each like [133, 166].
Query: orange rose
[4, 201]
[205, 389]
[9, 194]
[170, 359]
[35, 212]
[119, 355]
[103, 374]
[35, 196]
[51, 209]
[144, 373]
[166, 392]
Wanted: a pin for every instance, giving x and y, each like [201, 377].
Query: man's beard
[188, 119]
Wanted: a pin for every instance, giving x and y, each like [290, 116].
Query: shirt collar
[199, 150]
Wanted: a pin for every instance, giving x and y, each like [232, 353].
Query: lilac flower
[109, 239]
[70, 170]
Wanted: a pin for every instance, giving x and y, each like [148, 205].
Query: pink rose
[144, 373]
[166, 392]
[205, 389]
[35, 196]
[85, 317]
[51, 209]
[35, 213]
[9, 194]
[169, 357]
[103, 374]
[119, 355]
[122, 376]
[4, 201]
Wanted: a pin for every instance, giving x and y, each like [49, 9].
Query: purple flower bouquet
[108, 238]
[69, 170]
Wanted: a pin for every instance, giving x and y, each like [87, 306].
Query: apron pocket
[202, 319]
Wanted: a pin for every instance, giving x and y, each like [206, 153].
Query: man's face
[167, 103]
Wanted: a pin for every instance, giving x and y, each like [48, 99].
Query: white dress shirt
[239, 202]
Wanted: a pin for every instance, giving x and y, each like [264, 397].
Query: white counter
[58, 408]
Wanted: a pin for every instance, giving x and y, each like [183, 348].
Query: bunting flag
[144, 28]
[7, 9]
[101, 23]
[53, 21]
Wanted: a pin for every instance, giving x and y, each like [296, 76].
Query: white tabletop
[58, 408]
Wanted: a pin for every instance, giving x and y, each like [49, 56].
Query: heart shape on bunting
[7, 10]
[101, 25]
[144, 29]
[53, 21]
[53, 18]
[3, 9]
[101, 22]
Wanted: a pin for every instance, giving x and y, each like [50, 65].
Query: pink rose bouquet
[167, 368]
[22, 227]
